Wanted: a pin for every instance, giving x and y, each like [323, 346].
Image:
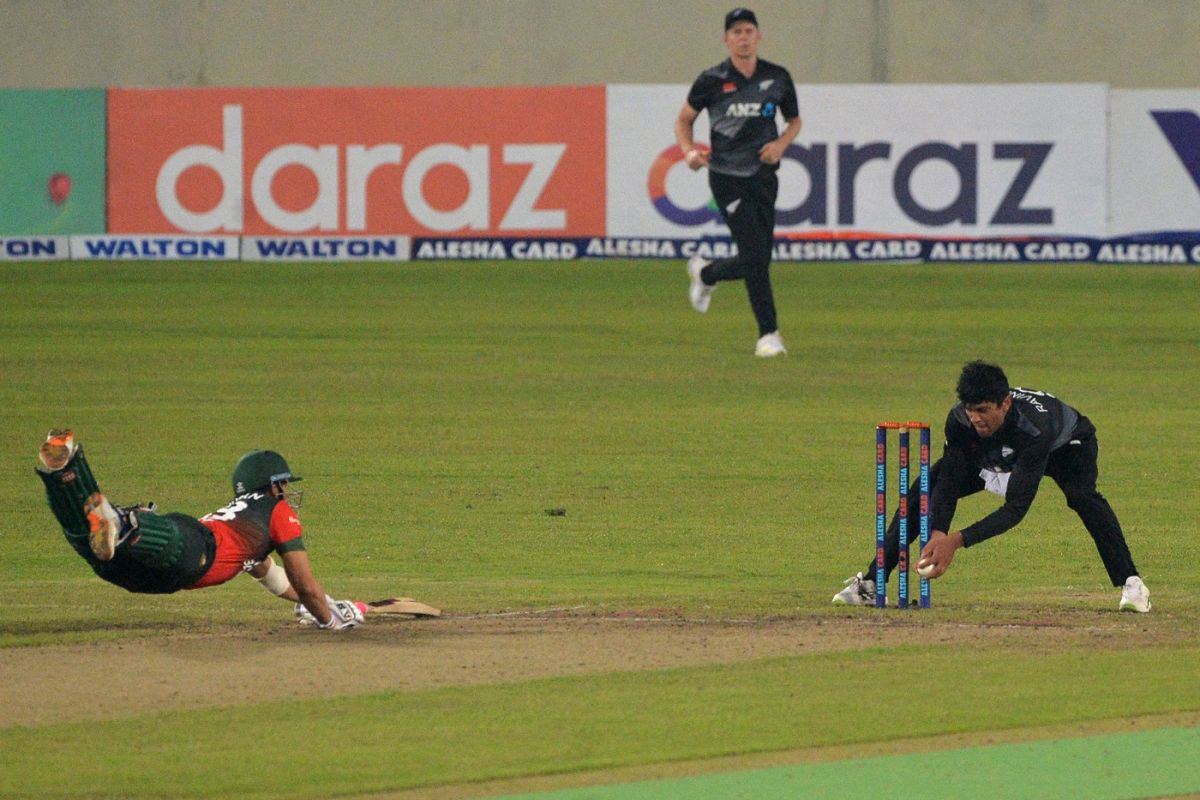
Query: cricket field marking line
[532, 612]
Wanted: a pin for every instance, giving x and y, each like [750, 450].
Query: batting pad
[67, 489]
[157, 542]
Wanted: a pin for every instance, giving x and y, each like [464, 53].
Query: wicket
[881, 523]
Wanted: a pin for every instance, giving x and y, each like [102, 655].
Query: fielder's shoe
[770, 346]
[859, 591]
[699, 292]
[1135, 596]
[58, 450]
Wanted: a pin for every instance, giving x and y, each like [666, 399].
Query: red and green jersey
[246, 531]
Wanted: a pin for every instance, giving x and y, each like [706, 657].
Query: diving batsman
[145, 552]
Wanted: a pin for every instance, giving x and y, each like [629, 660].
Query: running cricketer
[742, 95]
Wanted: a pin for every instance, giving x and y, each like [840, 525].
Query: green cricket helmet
[260, 469]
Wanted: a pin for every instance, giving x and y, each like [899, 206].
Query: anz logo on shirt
[746, 110]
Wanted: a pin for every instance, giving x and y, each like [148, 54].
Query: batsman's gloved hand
[346, 614]
[304, 616]
[336, 606]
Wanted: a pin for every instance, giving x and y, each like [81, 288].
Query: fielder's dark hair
[981, 382]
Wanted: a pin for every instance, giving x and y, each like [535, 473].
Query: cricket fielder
[742, 95]
[1006, 440]
[149, 553]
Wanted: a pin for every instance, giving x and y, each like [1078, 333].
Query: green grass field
[436, 411]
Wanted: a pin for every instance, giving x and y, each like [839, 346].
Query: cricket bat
[404, 606]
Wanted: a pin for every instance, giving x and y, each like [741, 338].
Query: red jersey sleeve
[285, 528]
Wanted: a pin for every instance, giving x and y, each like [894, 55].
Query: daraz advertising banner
[506, 161]
[961, 161]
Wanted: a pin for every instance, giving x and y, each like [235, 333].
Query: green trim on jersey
[291, 545]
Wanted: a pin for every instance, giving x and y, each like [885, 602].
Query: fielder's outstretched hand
[940, 550]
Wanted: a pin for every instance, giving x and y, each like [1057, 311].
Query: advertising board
[893, 160]
[376, 161]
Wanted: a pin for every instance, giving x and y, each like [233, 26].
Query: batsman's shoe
[137, 508]
[1135, 596]
[105, 526]
[699, 292]
[58, 450]
[770, 346]
[128, 517]
[859, 591]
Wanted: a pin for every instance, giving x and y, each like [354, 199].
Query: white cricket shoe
[1135, 596]
[58, 450]
[699, 293]
[859, 591]
[770, 346]
[104, 526]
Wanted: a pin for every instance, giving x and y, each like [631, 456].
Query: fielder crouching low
[145, 552]
[1005, 440]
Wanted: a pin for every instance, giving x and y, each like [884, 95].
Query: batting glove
[305, 617]
[348, 611]
[345, 615]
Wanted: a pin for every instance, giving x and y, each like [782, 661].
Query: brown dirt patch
[59, 683]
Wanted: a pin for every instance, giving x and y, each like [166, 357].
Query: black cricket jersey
[1037, 425]
[741, 113]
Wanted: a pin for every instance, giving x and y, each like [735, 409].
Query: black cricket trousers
[748, 207]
